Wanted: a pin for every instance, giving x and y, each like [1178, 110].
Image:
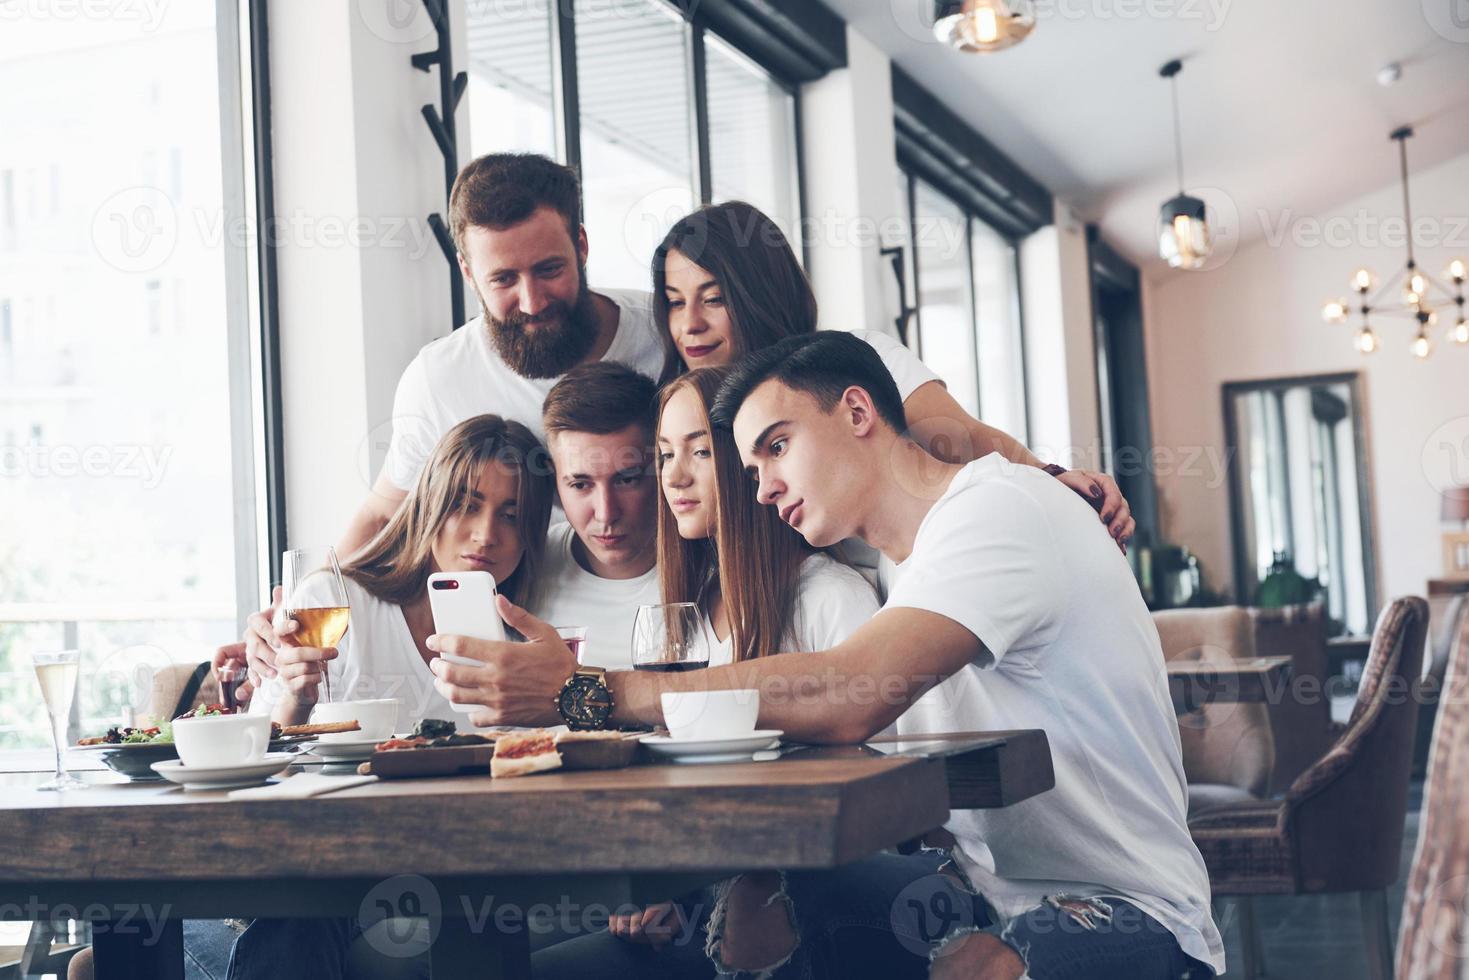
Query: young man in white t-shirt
[1012, 608]
[515, 219]
[600, 563]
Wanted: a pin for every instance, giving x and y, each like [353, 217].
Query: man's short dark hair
[600, 398]
[498, 190]
[822, 364]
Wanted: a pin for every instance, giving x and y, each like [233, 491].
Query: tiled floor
[1319, 936]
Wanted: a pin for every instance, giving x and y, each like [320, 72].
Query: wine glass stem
[58, 734]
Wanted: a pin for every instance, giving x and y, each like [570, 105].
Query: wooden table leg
[486, 953]
[129, 951]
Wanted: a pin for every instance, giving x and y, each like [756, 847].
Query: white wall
[1060, 361]
[851, 178]
[362, 281]
[1258, 316]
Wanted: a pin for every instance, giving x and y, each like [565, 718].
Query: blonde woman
[481, 504]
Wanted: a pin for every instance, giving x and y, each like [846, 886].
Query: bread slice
[522, 753]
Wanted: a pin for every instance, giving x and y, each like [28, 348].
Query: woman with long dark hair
[725, 282]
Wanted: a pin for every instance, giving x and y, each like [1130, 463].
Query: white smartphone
[463, 604]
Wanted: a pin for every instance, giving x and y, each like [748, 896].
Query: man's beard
[550, 343]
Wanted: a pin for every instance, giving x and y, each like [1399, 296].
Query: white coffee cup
[694, 715]
[375, 719]
[221, 740]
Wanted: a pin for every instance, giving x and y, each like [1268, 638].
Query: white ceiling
[1281, 109]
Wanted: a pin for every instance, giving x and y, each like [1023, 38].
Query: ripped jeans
[889, 915]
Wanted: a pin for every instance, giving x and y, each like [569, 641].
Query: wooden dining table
[1195, 683]
[472, 853]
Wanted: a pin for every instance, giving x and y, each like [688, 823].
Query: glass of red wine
[669, 637]
[231, 676]
[575, 638]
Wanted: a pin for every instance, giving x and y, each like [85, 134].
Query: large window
[126, 474]
[666, 114]
[752, 137]
[637, 141]
[511, 80]
[963, 279]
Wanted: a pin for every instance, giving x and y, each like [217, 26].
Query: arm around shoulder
[374, 514]
[940, 425]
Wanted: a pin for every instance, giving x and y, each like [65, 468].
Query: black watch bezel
[585, 701]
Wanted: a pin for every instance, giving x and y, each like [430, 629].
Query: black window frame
[793, 44]
[911, 174]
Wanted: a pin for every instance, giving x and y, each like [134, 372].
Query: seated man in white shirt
[1012, 608]
[600, 564]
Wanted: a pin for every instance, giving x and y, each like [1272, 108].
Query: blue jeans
[330, 949]
[602, 956]
[886, 916]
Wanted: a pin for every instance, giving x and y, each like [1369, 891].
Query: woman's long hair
[764, 288]
[754, 554]
[395, 565]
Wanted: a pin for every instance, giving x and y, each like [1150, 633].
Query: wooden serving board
[452, 760]
[455, 760]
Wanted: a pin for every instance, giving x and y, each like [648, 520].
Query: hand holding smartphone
[463, 604]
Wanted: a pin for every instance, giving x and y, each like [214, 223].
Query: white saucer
[224, 777]
[354, 751]
[737, 749]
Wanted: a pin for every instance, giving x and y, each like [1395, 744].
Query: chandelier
[1421, 295]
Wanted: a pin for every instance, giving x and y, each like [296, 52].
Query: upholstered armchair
[1339, 828]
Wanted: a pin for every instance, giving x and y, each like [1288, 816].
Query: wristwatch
[1055, 469]
[585, 701]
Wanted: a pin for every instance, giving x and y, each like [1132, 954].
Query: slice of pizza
[522, 753]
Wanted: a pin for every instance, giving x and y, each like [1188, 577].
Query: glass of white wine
[57, 675]
[316, 598]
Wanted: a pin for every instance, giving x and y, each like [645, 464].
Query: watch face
[584, 702]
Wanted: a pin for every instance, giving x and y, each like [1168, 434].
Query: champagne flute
[668, 637]
[316, 598]
[57, 675]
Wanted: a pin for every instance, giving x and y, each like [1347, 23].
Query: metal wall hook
[440, 122]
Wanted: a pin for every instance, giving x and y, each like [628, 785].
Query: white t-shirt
[907, 370]
[1020, 561]
[832, 600]
[460, 376]
[605, 606]
[376, 658]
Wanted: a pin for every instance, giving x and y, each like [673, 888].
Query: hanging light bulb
[1456, 270]
[1422, 346]
[1363, 280]
[984, 25]
[1184, 239]
[1460, 333]
[1335, 311]
[1366, 340]
[1183, 233]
